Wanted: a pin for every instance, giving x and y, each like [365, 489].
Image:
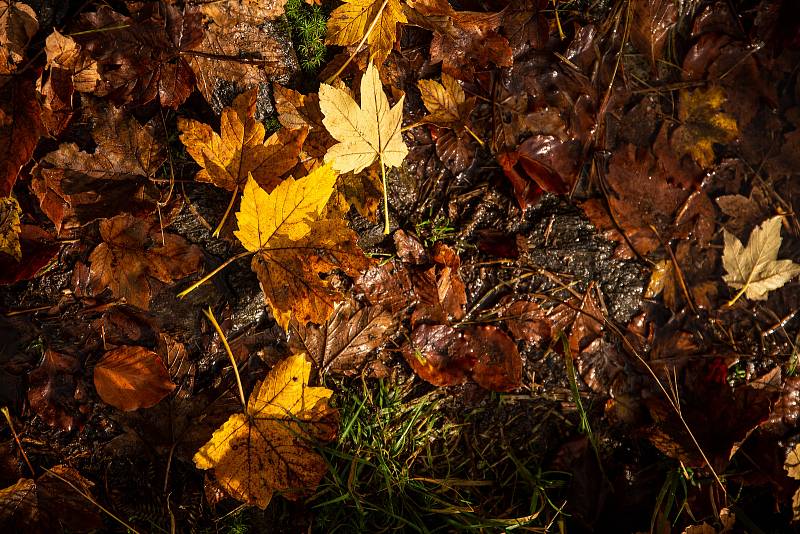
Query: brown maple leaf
[241, 48]
[75, 187]
[141, 58]
[133, 262]
[462, 40]
[241, 150]
[297, 111]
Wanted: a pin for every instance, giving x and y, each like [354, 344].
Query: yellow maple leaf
[240, 150]
[350, 22]
[294, 243]
[703, 124]
[9, 227]
[270, 447]
[365, 133]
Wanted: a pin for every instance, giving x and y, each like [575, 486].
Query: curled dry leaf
[131, 377]
[755, 270]
[48, 504]
[439, 290]
[294, 243]
[450, 109]
[270, 447]
[240, 150]
[133, 262]
[75, 187]
[18, 25]
[10, 228]
[52, 390]
[344, 343]
[349, 23]
[141, 58]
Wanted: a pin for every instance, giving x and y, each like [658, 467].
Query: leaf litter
[540, 163]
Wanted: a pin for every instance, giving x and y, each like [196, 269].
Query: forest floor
[577, 312]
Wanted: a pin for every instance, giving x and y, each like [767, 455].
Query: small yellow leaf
[271, 447]
[9, 227]
[364, 133]
[703, 124]
[350, 22]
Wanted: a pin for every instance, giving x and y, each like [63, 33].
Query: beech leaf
[270, 447]
[131, 377]
[755, 270]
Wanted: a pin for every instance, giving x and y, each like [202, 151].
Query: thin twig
[210, 315]
[4, 409]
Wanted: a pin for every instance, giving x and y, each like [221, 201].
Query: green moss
[308, 25]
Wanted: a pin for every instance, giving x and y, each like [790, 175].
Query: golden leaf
[18, 25]
[445, 101]
[9, 227]
[240, 150]
[351, 21]
[294, 243]
[364, 133]
[703, 124]
[269, 448]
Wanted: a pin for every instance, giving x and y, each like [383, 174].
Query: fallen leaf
[525, 25]
[744, 212]
[133, 261]
[37, 247]
[387, 285]
[525, 319]
[703, 124]
[363, 191]
[365, 133]
[53, 388]
[297, 111]
[344, 343]
[431, 352]
[270, 447]
[462, 40]
[350, 21]
[241, 48]
[141, 58]
[440, 292]
[652, 22]
[20, 127]
[9, 227]
[131, 377]
[450, 109]
[755, 269]
[75, 187]
[294, 243]
[498, 366]
[48, 504]
[241, 150]
[18, 25]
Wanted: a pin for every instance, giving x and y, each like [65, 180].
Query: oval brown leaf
[131, 377]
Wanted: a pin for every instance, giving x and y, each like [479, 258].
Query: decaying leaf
[9, 227]
[792, 467]
[350, 22]
[140, 58]
[439, 289]
[365, 133]
[344, 342]
[270, 447]
[450, 109]
[18, 25]
[76, 187]
[241, 48]
[131, 377]
[20, 127]
[133, 261]
[37, 247]
[53, 390]
[297, 111]
[703, 124]
[48, 504]
[241, 150]
[462, 40]
[294, 243]
[652, 21]
[755, 270]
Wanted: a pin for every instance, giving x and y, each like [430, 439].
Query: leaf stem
[207, 277]
[386, 228]
[737, 295]
[218, 229]
[473, 134]
[210, 315]
[360, 44]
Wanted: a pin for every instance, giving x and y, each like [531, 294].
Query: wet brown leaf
[20, 128]
[387, 285]
[344, 344]
[431, 352]
[525, 320]
[48, 504]
[38, 249]
[440, 291]
[651, 24]
[131, 377]
[498, 366]
[53, 388]
[75, 187]
[141, 58]
[133, 262]
[525, 25]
